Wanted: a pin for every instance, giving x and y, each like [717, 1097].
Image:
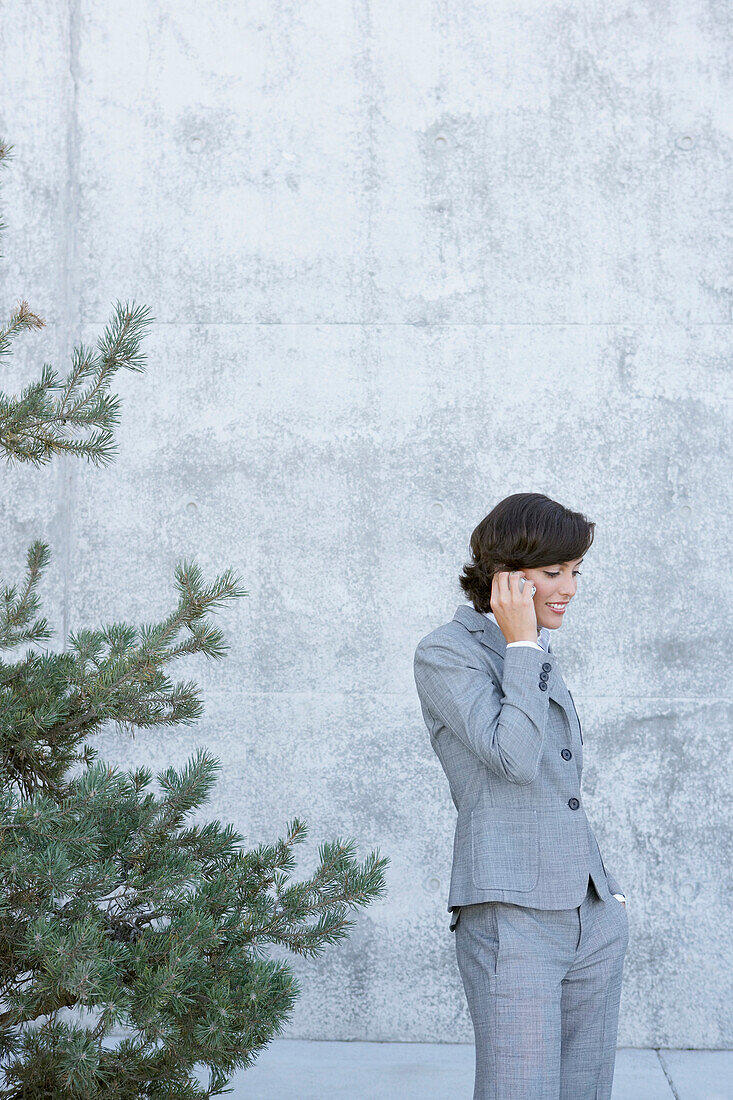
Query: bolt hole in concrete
[441, 141]
[685, 141]
[195, 145]
[192, 506]
[436, 508]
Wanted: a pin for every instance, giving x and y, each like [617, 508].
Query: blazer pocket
[505, 849]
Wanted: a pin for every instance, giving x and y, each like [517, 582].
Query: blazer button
[544, 676]
[547, 667]
[566, 754]
[543, 685]
[573, 803]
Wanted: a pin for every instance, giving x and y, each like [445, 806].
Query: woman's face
[555, 584]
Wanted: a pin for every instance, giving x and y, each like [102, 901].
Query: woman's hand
[514, 610]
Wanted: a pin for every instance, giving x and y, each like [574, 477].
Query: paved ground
[292, 1069]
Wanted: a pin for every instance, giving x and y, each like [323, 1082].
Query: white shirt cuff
[533, 644]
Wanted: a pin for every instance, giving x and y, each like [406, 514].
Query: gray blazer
[507, 734]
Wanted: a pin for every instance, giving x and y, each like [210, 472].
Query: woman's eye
[576, 571]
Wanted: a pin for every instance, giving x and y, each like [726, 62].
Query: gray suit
[540, 939]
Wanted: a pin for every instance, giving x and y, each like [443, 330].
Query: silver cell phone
[521, 585]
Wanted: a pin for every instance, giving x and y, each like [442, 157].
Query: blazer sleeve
[504, 727]
[613, 886]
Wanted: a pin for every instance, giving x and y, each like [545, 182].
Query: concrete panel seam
[667, 1074]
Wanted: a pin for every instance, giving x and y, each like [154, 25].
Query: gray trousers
[543, 989]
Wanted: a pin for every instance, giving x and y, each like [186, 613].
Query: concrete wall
[404, 259]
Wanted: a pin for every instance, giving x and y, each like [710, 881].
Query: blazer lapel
[492, 637]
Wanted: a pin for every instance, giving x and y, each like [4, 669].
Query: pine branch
[16, 611]
[6, 154]
[37, 424]
[49, 703]
[23, 319]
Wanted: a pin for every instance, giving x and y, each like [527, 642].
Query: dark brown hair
[523, 531]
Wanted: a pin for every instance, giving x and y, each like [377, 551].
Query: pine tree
[118, 914]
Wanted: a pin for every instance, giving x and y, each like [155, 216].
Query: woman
[540, 925]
